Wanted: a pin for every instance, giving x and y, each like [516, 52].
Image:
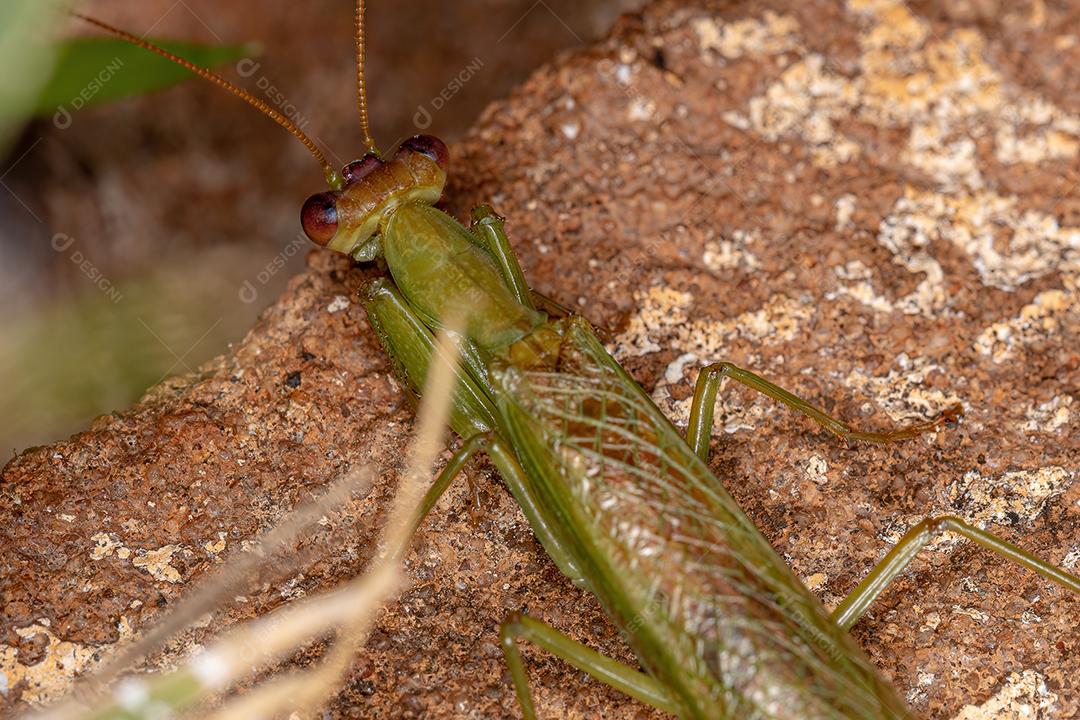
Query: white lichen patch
[902, 393]
[1023, 696]
[940, 88]
[663, 321]
[945, 93]
[895, 26]
[1014, 498]
[657, 307]
[1026, 245]
[907, 233]
[937, 151]
[156, 562]
[1048, 143]
[943, 88]
[737, 409]
[845, 210]
[977, 615]
[1038, 320]
[806, 101]
[853, 270]
[917, 693]
[676, 369]
[1011, 498]
[339, 303]
[215, 547]
[1008, 246]
[864, 293]
[49, 678]
[727, 254]
[861, 290]
[771, 34]
[1050, 416]
[1036, 130]
[816, 469]
[107, 545]
[778, 321]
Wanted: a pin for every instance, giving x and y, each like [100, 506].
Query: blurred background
[139, 237]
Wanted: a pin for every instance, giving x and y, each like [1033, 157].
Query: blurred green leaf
[26, 56]
[103, 345]
[94, 70]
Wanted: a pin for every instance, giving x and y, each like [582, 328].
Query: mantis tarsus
[624, 505]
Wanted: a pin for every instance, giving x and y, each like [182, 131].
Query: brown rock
[794, 190]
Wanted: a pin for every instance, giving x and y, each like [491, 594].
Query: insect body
[619, 499]
[624, 505]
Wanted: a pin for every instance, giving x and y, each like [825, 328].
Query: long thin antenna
[361, 83]
[332, 175]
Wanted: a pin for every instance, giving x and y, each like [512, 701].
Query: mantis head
[345, 219]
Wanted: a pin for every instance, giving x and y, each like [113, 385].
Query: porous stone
[873, 203]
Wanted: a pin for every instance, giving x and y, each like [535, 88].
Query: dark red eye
[319, 218]
[430, 146]
[357, 169]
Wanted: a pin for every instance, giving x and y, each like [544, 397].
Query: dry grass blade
[347, 611]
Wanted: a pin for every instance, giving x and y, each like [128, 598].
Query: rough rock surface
[873, 203]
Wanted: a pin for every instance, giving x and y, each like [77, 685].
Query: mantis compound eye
[429, 146]
[319, 218]
[359, 169]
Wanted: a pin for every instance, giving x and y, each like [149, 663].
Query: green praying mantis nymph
[624, 504]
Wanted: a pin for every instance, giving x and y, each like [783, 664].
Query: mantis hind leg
[611, 672]
[410, 345]
[699, 431]
[855, 605]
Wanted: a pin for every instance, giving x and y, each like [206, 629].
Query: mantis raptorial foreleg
[699, 431]
[404, 336]
[855, 605]
[490, 228]
[454, 466]
[518, 627]
[484, 442]
[410, 344]
[521, 627]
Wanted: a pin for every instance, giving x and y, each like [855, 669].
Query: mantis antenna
[332, 176]
[361, 82]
